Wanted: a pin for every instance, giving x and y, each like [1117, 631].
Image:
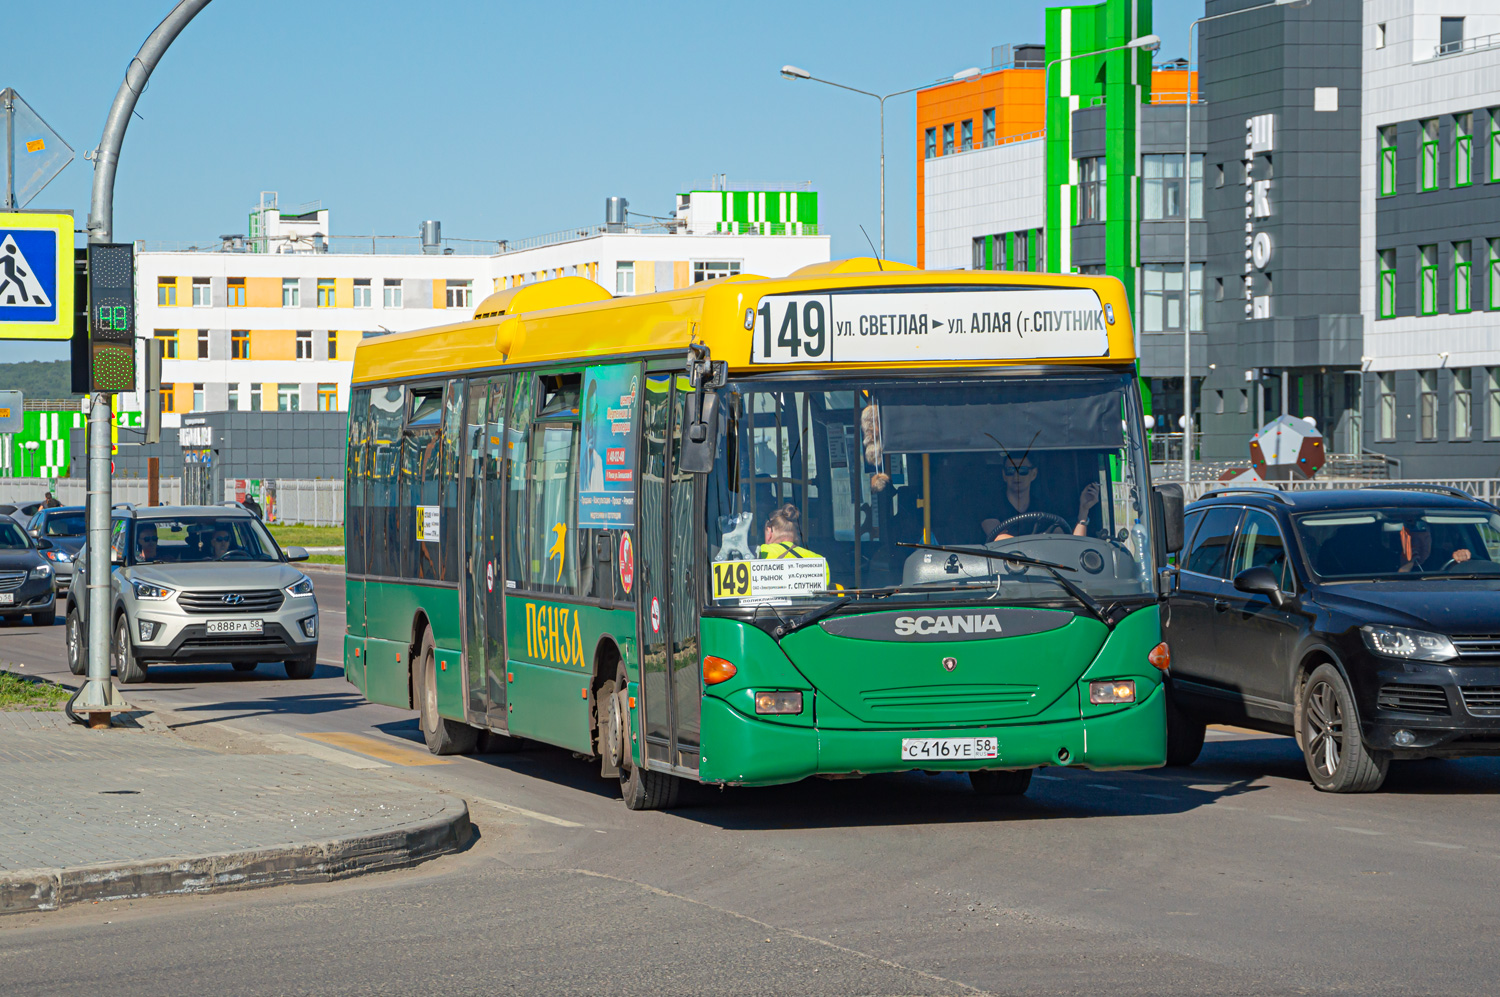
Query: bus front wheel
[1013, 783]
[641, 790]
[443, 736]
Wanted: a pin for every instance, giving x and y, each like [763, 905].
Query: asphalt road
[1234, 876]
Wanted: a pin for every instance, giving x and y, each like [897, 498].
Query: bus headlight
[778, 703]
[1116, 691]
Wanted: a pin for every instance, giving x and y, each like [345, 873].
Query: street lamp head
[1148, 42]
[793, 73]
[972, 73]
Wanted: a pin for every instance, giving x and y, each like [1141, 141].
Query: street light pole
[1187, 232]
[98, 697]
[794, 73]
[1148, 42]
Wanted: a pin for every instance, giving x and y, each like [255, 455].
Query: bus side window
[382, 536]
[517, 437]
[551, 497]
[354, 492]
[420, 465]
[453, 429]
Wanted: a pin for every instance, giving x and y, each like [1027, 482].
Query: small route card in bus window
[770, 578]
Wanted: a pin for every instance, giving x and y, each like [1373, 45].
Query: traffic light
[111, 317]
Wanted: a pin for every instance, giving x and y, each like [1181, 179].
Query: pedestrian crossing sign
[36, 275]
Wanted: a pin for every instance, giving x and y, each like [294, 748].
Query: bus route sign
[36, 275]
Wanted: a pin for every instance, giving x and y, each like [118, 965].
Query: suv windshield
[1391, 542]
[67, 524]
[200, 538]
[819, 484]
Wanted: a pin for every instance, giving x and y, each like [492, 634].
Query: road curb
[31, 890]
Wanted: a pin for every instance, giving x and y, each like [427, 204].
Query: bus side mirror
[699, 439]
[1168, 503]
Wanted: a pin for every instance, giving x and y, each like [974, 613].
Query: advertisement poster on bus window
[606, 493]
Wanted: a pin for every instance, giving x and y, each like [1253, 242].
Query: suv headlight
[154, 593]
[41, 571]
[1413, 645]
[301, 587]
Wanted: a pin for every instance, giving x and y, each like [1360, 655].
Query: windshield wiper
[809, 618]
[1056, 570]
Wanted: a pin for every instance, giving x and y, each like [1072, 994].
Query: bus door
[668, 606]
[485, 447]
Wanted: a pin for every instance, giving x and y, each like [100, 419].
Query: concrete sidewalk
[140, 810]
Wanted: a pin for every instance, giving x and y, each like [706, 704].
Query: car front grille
[11, 580]
[213, 604]
[1478, 645]
[1481, 700]
[1413, 698]
[207, 642]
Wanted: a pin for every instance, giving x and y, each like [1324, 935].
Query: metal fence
[284, 500]
[73, 491]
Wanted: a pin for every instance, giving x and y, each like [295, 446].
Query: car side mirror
[42, 543]
[1169, 503]
[296, 554]
[1261, 581]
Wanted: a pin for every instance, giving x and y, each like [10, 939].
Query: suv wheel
[1184, 735]
[77, 658]
[300, 668]
[44, 618]
[127, 668]
[1335, 752]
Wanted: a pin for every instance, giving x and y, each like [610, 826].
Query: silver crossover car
[198, 583]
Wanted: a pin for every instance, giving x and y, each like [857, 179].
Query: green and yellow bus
[862, 519]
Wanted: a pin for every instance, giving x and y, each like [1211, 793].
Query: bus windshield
[821, 483]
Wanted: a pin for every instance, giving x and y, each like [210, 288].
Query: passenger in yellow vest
[781, 537]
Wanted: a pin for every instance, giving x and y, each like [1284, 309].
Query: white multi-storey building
[270, 321]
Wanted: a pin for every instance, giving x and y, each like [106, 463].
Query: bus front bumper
[740, 750]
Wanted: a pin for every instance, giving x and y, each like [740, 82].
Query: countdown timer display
[111, 292]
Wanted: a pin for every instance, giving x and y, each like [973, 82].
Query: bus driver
[1019, 477]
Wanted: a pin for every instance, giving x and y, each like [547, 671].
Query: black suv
[1366, 623]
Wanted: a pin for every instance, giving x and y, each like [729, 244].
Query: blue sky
[502, 120]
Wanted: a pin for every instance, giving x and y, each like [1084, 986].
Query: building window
[1427, 281]
[325, 292]
[168, 397]
[1494, 289]
[166, 290]
[1429, 154]
[1450, 35]
[1387, 404]
[1380, 35]
[966, 135]
[947, 140]
[255, 396]
[1162, 186]
[235, 293]
[239, 344]
[291, 292]
[1495, 144]
[1020, 255]
[288, 398]
[625, 274]
[362, 292]
[202, 344]
[1387, 161]
[929, 143]
[1463, 283]
[333, 345]
[198, 398]
[1161, 297]
[392, 291]
[1492, 388]
[1092, 177]
[712, 269]
[1462, 409]
[1463, 149]
[203, 292]
[304, 344]
[989, 252]
[234, 396]
[989, 127]
[1427, 404]
[460, 294]
[328, 398]
[1386, 289]
[168, 339]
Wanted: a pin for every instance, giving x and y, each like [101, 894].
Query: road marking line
[1439, 844]
[1300, 820]
[396, 754]
[1159, 796]
[1357, 830]
[1101, 785]
[1049, 778]
[300, 746]
[523, 812]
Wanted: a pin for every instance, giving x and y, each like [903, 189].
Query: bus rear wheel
[641, 790]
[1014, 783]
[443, 736]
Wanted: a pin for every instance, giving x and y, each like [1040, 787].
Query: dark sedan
[1366, 623]
[25, 576]
[65, 527]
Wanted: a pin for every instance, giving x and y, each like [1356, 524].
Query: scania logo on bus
[957, 623]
